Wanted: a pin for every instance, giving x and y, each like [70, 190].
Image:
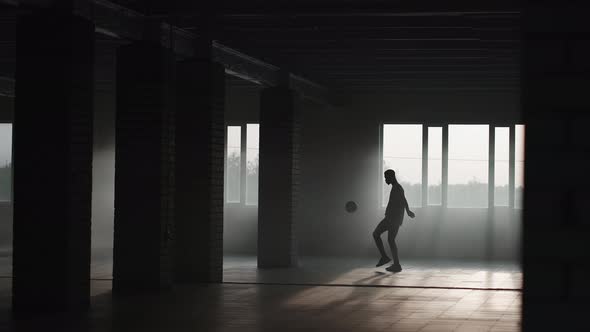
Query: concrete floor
[362, 272]
[321, 295]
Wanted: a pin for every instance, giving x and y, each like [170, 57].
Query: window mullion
[425, 166]
[511, 162]
[491, 167]
[243, 164]
[445, 165]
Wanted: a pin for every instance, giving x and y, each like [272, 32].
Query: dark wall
[6, 109]
[556, 249]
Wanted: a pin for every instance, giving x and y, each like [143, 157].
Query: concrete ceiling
[360, 45]
[386, 52]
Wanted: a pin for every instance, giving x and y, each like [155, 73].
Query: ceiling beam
[368, 7]
[368, 45]
[350, 35]
[235, 62]
[366, 22]
[119, 22]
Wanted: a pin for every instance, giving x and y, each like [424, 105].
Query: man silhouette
[394, 216]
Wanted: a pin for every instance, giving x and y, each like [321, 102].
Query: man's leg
[392, 233]
[380, 229]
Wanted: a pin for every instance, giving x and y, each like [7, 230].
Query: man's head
[390, 176]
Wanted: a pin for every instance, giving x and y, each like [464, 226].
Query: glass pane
[502, 166]
[434, 165]
[5, 161]
[252, 152]
[402, 152]
[519, 165]
[468, 165]
[234, 150]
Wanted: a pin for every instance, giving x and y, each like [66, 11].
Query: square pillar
[144, 164]
[556, 250]
[53, 162]
[199, 168]
[279, 178]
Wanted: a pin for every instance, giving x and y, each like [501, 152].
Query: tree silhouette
[471, 194]
[233, 176]
[252, 181]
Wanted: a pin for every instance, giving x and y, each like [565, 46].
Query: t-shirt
[397, 202]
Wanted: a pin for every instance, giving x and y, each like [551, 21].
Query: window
[402, 152]
[467, 173]
[252, 153]
[501, 166]
[435, 166]
[468, 166]
[241, 184]
[519, 165]
[234, 152]
[5, 162]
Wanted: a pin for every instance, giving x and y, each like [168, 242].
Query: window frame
[445, 159]
[243, 164]
[245, 156]
[225, 164]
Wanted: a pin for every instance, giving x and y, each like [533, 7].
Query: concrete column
[279, 178]
[200, 139]
[556, 250]
[53, 162]
[144, 162]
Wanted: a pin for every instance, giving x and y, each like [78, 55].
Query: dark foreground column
[556, 246]
[199, 170]
[144, 185]
[279, 173]
[52, 163]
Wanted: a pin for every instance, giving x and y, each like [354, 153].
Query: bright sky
[468, 153]
[519, 156]
[434, 155]
[234, 136]
[501, 155]
[252, 135]
[234, 139]
[5, 143]
[402, 151]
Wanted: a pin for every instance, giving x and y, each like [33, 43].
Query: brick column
[53, 163]
[144, 161]
[556, 250]
[279, 178]
[199, 170]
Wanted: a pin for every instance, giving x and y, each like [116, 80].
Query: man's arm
[407, 207]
